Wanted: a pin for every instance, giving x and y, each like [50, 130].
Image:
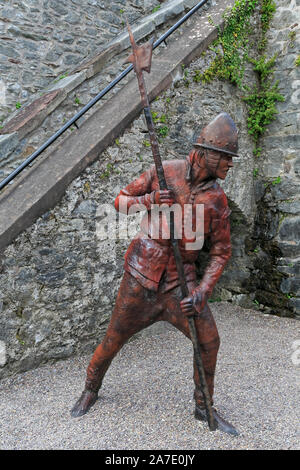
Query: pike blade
[142, 55]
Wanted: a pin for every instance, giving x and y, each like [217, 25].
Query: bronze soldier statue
[149, 291]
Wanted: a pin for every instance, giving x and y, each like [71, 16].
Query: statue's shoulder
[176, 167]
[172, 168]
[220, 198]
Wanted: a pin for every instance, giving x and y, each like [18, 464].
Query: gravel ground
[146, 401]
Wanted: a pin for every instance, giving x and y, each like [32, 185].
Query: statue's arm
[140, 194]
[137, 192]
[220, 253]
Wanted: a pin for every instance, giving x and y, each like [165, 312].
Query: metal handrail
[100, 95]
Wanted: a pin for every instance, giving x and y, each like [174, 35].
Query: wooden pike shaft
[177, 255]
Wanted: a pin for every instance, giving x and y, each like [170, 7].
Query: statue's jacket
[149, 258]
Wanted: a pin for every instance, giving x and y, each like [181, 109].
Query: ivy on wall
[236, 47]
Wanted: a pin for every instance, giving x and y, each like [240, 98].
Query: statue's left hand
[199, 296]
[187, 306]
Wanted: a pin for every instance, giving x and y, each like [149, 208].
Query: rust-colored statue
[149, 291]
[160, 275]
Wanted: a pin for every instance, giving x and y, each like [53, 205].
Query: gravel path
[146, 401]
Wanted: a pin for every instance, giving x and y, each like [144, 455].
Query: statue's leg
[209, 342]
[135, 309]
[207, 334]
[209, 345]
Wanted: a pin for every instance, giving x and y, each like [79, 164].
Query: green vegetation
[217, 299]
[163, 131]
[262, 98]
[257, 151]
[87, 187]
[18, 337]
[61, 77]
[156, 8]
[185, 73]
[156, 118]
[268, 8]
[108, 171]
[197, 76]
[18, 105]
[231, 46]
[232, 51]
[289, 296]
[292, 37]
[276, 180]
[297, 61]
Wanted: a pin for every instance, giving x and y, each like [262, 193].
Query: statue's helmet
[220, 135]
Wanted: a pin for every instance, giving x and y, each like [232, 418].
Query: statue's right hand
[164, 196]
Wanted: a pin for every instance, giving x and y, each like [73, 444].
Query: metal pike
[141, 60]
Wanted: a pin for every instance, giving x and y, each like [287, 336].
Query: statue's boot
[84, 403]
[89, 395]
[222, 424]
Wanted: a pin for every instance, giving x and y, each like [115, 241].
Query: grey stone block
[296, 166]
[292, 207]
[290, 229]
[295, 303]
[86, 208]
[286, 189]
[9, 51]
[58, 7]
[283, 141]
[292, 267]
[273, 165]
[289, 249]
[139, 32]
[8, 143]
[290, 284]
[2, 353]
[173, 9]
[284, 18]
[68, 83]
[189, 3]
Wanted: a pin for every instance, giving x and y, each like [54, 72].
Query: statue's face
[224, 166]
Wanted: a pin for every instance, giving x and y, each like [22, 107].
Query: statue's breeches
[136, 308]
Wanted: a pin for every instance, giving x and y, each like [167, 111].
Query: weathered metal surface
[141, 59]
[160, 279]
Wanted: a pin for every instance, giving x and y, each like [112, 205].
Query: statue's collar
[202, 185]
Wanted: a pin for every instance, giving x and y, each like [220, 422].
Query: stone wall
[60, 277]
[55, 58]
[276, 259]
[43, 39]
